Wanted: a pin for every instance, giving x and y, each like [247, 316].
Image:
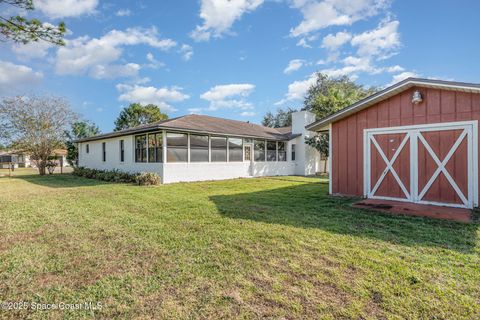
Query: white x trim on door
[413, 134]
[390, 166]
[441, 167]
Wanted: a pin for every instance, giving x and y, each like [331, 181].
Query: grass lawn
[248, 248]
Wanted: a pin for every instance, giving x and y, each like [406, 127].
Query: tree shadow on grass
[308, 205]
[58, 180]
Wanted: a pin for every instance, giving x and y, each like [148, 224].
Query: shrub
[148, 179]
[105, 175]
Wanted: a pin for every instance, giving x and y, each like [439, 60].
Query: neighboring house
[416, 141]
[198, 148]
[21, 160]
[7, 159]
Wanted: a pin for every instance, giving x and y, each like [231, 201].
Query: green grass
[247, 248]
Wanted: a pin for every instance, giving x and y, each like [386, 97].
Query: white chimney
[307, 158]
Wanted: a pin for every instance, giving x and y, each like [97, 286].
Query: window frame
[122, 150]
[283, 152]
[199, 147]
[186, 147]
[87, 148]
[235, 148]
[104, 151]
[142, 159]
[158, 144]
[267, 151]
[255, 150]
[293, 152]
[217, 148]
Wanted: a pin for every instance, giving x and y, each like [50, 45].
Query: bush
[106, 175]
[148, 179]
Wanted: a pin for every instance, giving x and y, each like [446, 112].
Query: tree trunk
[41, 167]
[325, 165]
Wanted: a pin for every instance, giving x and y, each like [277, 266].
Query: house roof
[205, 124]
[388, 92]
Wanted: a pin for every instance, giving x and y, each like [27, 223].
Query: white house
[198, 148]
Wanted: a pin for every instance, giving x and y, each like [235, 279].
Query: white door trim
[413, 134]
[389, 164]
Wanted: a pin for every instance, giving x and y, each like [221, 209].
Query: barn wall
[347, 134]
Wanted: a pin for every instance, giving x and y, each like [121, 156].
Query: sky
[235, 59]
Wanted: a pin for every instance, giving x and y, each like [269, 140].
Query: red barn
[416, 141]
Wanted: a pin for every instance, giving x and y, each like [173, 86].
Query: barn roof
[205, 124]
[321, 124]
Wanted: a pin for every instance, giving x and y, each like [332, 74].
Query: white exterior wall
[306, 163]
[93, 159]
[204, 171]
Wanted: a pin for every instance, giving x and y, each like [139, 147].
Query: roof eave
[388, 92]
[280, 137]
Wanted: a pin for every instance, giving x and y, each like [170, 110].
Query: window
[141, 148]
[235, 149]
[259, 147]
[155, 142]
[293, 152]
[271, 151]
[248, 153]
[198, 148]
[104, 151]
[88, 148]
[177, 147]
[282, 151]
[122, 151]
[219, 149]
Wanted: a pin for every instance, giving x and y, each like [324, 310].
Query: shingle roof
[205, 124]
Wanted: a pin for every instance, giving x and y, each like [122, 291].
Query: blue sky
[236, 59]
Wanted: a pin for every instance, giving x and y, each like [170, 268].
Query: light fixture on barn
[417, 97]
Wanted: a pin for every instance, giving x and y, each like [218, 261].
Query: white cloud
[123, 13]
[294, 65]
[381, 42]
[353, 66]
[402, 76]
[229, 96]
[195, 110]
[145, 95]
[14, 77]
[333, 42]
[65, 8]
[219, 15]
[298, 89]
[86, 55]
[321, 14]
[154, 63]
[32, 50]
[247, 114]
[186, 51]
[115, 71]
[221, 92]
[303, 43]
[394, 69]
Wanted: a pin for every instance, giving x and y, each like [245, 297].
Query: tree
[23, 30]
[319, 142]
[328, 95]
[136, 114]
[78, 130]
[283, 118]
[35, 125]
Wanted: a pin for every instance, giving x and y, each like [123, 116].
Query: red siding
[438, 106]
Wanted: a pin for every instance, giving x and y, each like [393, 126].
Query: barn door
[432, 164]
